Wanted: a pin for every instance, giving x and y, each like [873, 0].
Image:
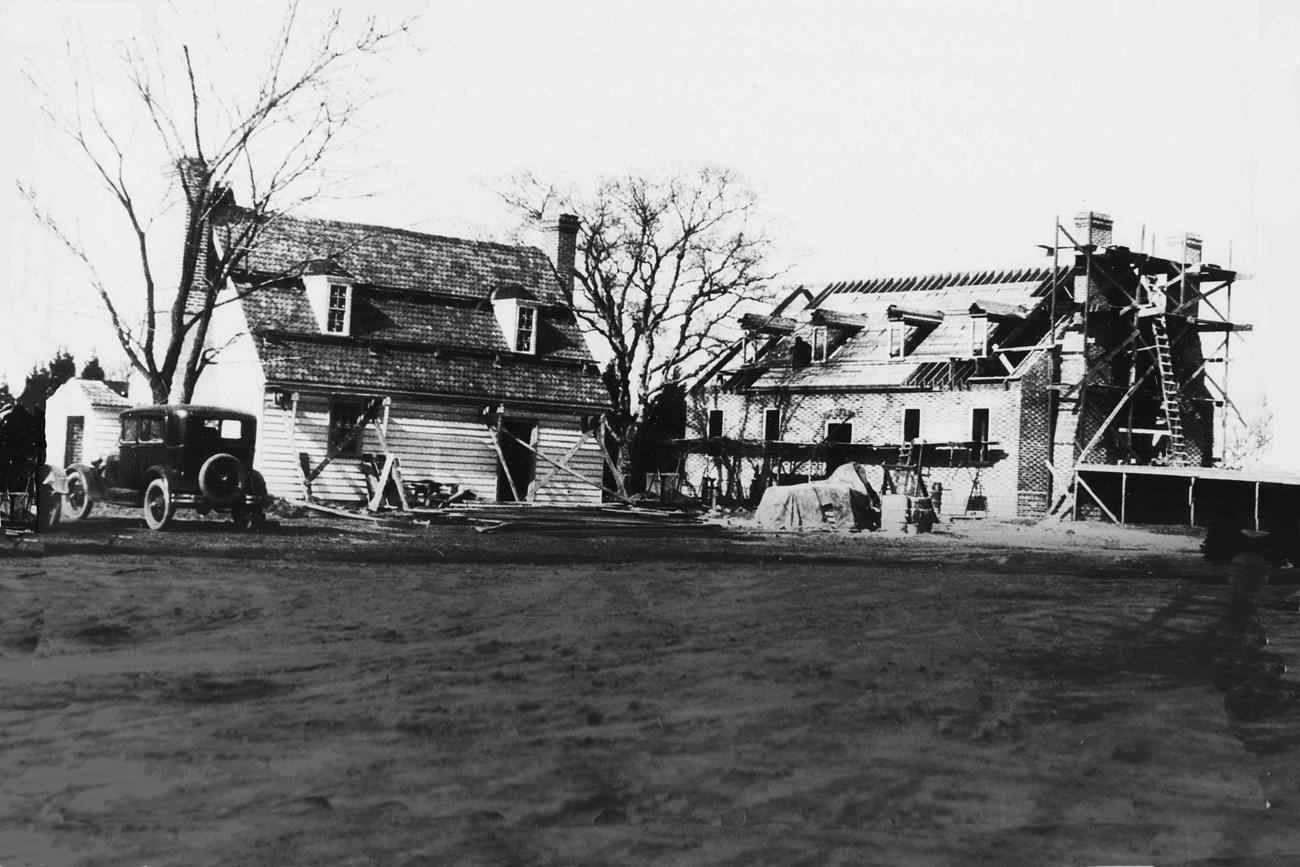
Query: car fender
[256, 484]
[94, 484]
[55, 478]
[171, 474]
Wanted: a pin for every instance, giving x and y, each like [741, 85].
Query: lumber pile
[621, 520]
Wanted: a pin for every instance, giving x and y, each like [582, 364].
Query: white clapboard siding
[102, 429]
[446, 444]
[280, 441]
[555, 436]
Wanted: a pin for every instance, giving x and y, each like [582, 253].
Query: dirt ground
[334, 692]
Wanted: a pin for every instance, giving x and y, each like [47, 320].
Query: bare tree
[662, 265]
[185, 102]
[1249, 439]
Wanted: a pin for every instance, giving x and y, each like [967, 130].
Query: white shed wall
[448, 444]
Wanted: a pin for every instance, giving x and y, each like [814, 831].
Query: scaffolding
[1137, 321]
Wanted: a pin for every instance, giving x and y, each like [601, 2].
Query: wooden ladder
[1176, 455]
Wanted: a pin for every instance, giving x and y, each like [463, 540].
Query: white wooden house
[81, 421]
[460, 358]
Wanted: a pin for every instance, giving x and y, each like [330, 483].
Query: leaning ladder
[1177, 452]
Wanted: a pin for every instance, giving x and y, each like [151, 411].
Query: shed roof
[101, 394]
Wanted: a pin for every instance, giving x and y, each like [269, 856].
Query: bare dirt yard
[343, 693]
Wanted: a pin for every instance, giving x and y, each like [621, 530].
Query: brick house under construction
[1001, 381]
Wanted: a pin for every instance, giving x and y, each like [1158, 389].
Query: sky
[881, 137]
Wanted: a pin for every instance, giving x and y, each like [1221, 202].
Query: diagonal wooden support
[609, 462]
[564, 469]
[1096, 499]
[494, 434]
[367, 415]
[568, 456]
[1101, 429]
[390, 474]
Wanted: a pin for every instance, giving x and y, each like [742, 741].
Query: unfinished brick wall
[877, 418]
[1034, 479]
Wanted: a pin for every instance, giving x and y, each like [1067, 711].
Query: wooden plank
[1078, 479]
[565, 469]
[568, 456]
[303, 482]
[609, 462]
[1101, 429]
[381, 485]
[494, 434]
[338, 449]
[342, 513]
[1123, 497]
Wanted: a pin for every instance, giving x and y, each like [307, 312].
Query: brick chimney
[1093, 229]
[1184, 247]
[566, 250]
[195, 176]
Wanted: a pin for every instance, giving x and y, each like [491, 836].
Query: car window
[223, 428]
[151, 429]
[129, 428]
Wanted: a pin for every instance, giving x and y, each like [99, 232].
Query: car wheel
[158, 506]
[77, 499]
[222, 478]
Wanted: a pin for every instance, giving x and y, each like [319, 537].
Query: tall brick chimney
[566, 251]
[1093, 229]
[195, 176]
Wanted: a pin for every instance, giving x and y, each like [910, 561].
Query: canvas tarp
[845, 500]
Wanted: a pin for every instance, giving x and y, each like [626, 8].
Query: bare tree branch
[663, 264]
[272, 138]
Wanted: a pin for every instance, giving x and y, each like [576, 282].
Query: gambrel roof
[422, 317]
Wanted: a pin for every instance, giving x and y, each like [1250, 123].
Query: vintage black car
[171, 457]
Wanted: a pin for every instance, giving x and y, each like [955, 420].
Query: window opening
[151, 429]
[772, 425]
[715, 423]
[979, 434]
[819, 347]
[526, 329]
[911, 424]
[345, 429]
[979, 336]
[336, 321]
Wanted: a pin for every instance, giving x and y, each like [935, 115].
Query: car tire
[222, 478]
[158, 506]
[77, 500]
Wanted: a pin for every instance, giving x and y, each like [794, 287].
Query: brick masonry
[877, 418]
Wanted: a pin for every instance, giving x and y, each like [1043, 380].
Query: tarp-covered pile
[845, 500]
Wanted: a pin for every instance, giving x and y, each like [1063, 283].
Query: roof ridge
[246, 213]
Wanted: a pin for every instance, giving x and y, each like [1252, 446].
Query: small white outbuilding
[81, 421]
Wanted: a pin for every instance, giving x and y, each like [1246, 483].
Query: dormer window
[819, 344]
[526, 329]
[897, 336]
[516, 310]
[340, 309]
[330, 298]
[909, 327]
[979, 336]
